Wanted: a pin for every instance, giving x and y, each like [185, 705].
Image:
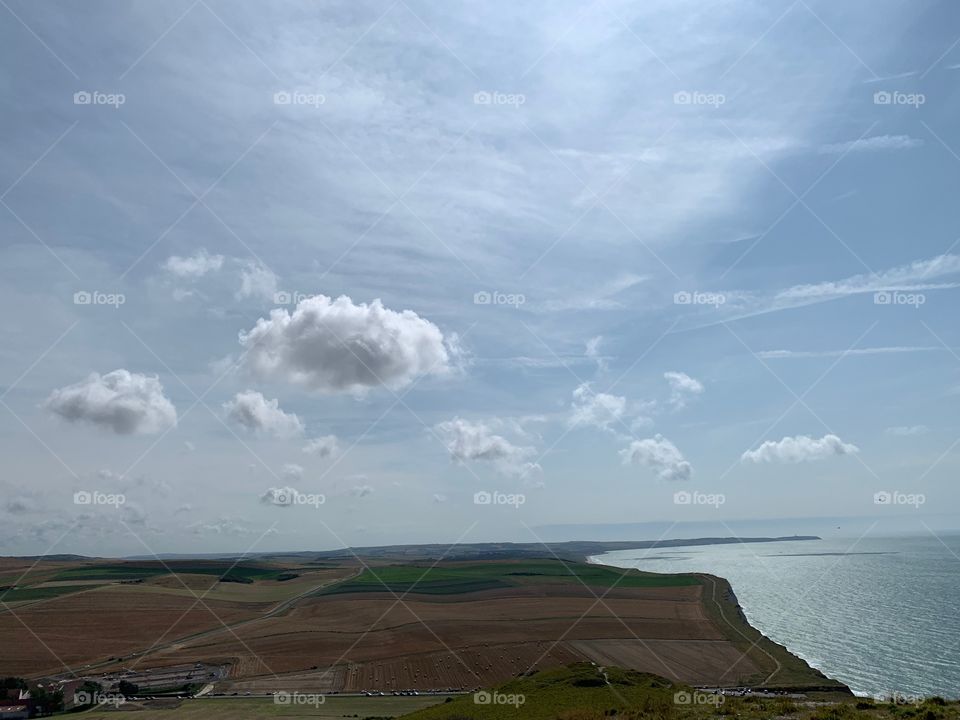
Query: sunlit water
[883, 617]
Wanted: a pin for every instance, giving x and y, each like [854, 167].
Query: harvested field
[85, 627]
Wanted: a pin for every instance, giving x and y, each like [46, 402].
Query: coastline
[785, 670]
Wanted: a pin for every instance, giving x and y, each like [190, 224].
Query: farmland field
[391, 627]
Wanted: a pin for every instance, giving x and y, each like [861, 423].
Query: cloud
[337, 346]
[475, 441]
[324, 446]
[659, 454]
[593, 352]
[878, 142]
[254, 412]
[908, 430]
[800, 448]
[292, 472]
[194, 266]
[600, 410]
[778, 354]
[120, 401]
[602, 298]
[682, 388]
[912, 276]
[257, 281]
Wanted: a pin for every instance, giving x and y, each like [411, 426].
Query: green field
[132, 571]
[243, 708]
[463, 578]
[586, 692]
[41, 593]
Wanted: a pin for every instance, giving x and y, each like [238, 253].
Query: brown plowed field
[475, 639]
[68, 632]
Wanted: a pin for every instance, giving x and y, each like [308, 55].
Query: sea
[882, 615]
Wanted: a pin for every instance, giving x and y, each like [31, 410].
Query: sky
[309, 275]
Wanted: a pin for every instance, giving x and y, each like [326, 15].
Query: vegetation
[586, 692]
[447, 578]
[134, 571]
[23, 594]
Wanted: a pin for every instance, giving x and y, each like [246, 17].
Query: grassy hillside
[471, 577]
[586, 692]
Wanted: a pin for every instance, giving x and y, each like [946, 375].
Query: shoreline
[786, 667]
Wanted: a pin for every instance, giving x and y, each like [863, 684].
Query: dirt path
[713, 596]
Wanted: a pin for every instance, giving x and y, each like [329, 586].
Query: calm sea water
[882, 617]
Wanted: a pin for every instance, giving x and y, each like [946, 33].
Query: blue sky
[388, 255]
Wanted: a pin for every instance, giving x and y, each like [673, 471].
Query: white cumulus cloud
[659, 454]
[339, 346]
[682, 388]
[800, 448]
[254, 412]
[601, 410]
[322, 447]
[257, 281]
[194, 266]
[121, 401]
[476, 441]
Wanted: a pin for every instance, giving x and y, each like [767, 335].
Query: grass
[580, 692]
[455, 578]
[134, 571]
[41, 593]
[244, 708]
